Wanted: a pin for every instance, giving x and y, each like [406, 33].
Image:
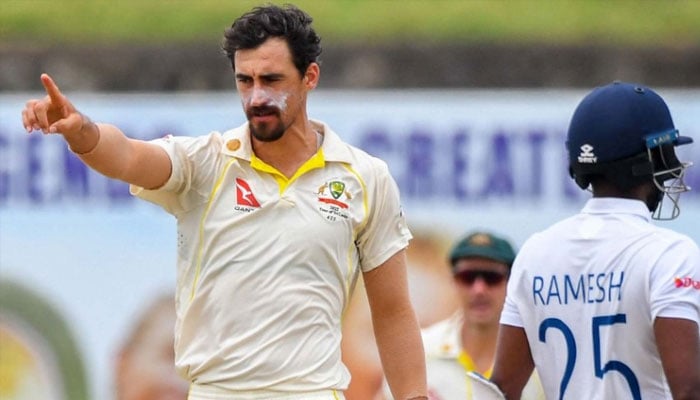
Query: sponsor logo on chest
[245, 199]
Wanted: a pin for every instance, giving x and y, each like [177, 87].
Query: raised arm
[102, 147]
[396, 328]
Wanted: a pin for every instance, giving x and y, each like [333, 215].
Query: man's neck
[479, 342]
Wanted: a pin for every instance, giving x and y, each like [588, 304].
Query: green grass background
[622, 22]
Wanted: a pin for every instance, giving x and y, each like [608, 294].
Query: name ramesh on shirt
[585, 288]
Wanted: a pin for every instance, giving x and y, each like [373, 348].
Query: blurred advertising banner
[98, 257]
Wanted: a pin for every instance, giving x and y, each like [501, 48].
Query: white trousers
[206, 392]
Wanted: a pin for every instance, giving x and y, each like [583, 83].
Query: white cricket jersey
[266, 265]
[447, 364]
[587, 291]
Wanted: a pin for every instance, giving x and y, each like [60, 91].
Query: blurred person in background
[605, 304]
[145, 364]
[480, 265]
[276, 220]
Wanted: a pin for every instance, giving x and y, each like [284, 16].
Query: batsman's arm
[678, 342]
[103, 147]
[513, 362]
[396, 328]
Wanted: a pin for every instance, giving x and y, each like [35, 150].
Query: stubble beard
[266, 132]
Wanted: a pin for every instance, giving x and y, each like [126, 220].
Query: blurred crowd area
[202, 67]
[161, 45]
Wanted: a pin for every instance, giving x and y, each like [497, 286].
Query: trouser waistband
[208, 392]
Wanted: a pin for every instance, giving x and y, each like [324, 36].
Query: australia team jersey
[266, 264]
[587, 291]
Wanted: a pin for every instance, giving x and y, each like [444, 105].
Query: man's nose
[259, 96]
[480, 284]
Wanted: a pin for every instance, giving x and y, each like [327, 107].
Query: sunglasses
[469, 276]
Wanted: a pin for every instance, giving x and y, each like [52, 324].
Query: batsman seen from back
[276, 220]
[605, 304]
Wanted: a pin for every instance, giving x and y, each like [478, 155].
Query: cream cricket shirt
[587, 291]
[266, 265]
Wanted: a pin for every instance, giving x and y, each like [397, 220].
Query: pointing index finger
[51, 89]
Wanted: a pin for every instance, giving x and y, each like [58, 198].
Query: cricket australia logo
[332, 197]
[587, 156]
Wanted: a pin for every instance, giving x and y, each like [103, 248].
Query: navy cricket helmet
[625, 133]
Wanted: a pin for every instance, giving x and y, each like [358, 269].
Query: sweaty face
[270, 87]
[481, 285]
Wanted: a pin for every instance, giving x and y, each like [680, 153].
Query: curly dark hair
[261, 23]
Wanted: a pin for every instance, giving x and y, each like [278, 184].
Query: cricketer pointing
[276, 220]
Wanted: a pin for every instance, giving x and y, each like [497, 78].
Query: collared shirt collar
[237, 143]
[616, 205]
[448, 344]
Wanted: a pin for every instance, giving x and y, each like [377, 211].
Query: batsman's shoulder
[676, 239]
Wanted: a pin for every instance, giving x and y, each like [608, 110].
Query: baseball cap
[483, 244]
[615, 121]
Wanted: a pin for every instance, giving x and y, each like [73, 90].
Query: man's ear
[312, 75]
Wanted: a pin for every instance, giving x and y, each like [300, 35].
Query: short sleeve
[511, 314]
[193, 162]
[386, 231]
[675, 282]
